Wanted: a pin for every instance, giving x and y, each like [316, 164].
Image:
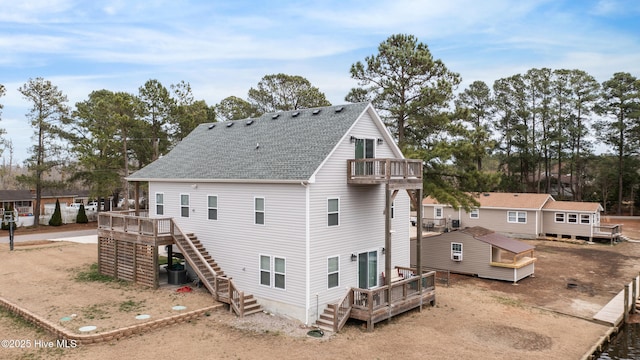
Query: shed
[479, 251]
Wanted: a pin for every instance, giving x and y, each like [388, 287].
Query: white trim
[564, 217]
[234, 181]
[307, 254]
[572, 216]
[335, 272]
[209, 207]
[475, 211]
[284, 273]
[156, 203]
[333, 212]
[188, 206]
[264, 210]
[588, 216]
[517, 215]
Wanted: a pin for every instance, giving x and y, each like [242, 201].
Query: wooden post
[419, 241]
[387, 235]
[634, 293]
[626, 303]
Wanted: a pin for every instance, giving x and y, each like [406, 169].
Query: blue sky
[223, 48]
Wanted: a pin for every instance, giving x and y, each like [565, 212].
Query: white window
[259, 210]
[456, 251]
[517, 217]
[212, 204]
[272, 271]
[333, 272]
[572, 218]
[279, 272]
[585, 218]
[159, 204]
[437, 212]
[265, 270]
[333, 212]
[474, 214]
[184, 205]
[559, 217]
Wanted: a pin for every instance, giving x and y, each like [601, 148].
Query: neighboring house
[279, 204]
[522, 215]
[481, 252]
[24, 200]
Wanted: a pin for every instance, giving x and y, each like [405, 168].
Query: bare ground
[473, 318]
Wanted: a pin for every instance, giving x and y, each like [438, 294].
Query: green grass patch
[93, 275]
[131, 306]
[508, 301]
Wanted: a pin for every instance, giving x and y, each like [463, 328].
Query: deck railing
[384, 169]
[374, 299]
[125, 222]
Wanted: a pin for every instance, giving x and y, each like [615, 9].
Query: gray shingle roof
[286, 147]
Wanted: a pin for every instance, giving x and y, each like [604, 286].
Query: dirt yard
[473, 318]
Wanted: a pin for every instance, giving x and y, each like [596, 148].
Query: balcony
[398, 173]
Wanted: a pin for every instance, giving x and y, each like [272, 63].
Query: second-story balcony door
[365, 149]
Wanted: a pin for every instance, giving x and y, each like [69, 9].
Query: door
[368, 269]
[364, 150]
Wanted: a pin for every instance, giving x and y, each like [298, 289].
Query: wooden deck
[614, 312]
[382, 303]
[398, 173]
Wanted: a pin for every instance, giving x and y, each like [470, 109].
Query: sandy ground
[473, 318]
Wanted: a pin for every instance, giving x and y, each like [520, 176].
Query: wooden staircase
[325, 321]
[212, 276]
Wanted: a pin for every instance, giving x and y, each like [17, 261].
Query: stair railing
[176, 232]
[342, 311]
[236, 298]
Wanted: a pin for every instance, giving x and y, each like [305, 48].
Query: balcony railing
[378, 171]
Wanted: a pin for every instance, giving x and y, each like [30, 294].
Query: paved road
[83, 235]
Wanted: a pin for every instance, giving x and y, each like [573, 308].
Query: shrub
[82, 215]
[56, 218]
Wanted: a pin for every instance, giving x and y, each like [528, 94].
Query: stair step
[327, 317]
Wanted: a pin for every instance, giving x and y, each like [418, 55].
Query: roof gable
[590, 207]
[288, 145]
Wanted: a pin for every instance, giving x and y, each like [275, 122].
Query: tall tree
[281, 92]
[235, 108]
[187, 112]
[100, 140]
[404, 82]
[585, 90]
[48, 116]
[477, 104]
[621, 102]
[157, 105]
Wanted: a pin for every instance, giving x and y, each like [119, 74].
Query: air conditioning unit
[457, 256]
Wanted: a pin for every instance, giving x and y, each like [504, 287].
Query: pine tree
[82, 216]
[56, 218]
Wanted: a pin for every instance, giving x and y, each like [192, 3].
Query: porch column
[387, 235]
[419, 239]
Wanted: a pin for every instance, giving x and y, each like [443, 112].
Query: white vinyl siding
[259, 210]
[333, 212]
[212, 207]
[159, 203]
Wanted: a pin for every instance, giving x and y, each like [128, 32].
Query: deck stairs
[326, 319]
[212, 276]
